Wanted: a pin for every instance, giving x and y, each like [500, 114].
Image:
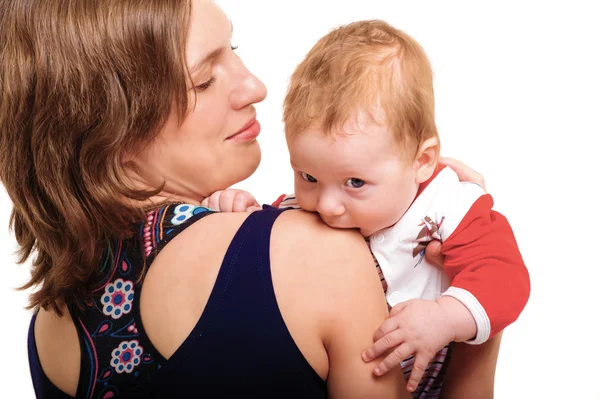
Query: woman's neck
[167, 195]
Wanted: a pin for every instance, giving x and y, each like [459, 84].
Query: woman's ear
[427, 159]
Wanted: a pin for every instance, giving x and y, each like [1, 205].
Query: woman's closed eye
[354, 182]
[205, 85]
[308, 177]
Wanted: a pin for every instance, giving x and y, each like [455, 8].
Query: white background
[517, 98]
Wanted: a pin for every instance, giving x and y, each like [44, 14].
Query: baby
[360, 128]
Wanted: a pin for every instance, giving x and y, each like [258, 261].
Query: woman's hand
[464, 173]
[433, 253]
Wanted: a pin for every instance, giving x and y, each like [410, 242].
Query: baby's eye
[355, 183]
[308, 178]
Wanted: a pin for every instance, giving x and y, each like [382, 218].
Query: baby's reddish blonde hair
[360, 67]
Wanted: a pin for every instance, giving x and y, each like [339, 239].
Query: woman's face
[216, 145]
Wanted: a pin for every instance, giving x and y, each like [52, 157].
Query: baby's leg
[471, 370]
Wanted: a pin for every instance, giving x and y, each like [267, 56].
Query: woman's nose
[248, 88]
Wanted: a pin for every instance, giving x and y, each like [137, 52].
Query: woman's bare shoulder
[330, 275]
[335, 261]
[302, 239]
[300, 234]
[306, 230]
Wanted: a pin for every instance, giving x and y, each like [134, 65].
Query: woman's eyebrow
[198, 65]
[214, 54]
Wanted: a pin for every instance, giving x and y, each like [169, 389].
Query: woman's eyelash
[205, 85]
[209, 82]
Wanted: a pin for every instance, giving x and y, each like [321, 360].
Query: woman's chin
[244, 166]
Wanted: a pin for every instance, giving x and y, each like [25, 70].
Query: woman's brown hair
[82, 83]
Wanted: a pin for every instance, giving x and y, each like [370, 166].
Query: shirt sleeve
[286, 201]
[486, 268]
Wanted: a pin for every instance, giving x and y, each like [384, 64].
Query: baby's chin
[337, 225]
[367, 232]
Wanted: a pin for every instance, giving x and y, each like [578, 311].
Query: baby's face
[359, 178]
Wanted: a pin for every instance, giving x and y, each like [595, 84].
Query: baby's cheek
[306, 202]
[374, 218]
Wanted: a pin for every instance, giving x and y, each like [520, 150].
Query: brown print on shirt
[429, 231]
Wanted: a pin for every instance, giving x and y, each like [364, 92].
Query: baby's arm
[488, 273]
[490, 287]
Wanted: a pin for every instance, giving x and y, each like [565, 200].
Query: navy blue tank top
[240, 347]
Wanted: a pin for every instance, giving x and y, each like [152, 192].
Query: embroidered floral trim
[182, 213]
[126, 356]
[117, 299]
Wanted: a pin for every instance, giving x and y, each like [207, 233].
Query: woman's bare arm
[471, 371]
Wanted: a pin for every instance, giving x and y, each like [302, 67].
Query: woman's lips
[248, 132]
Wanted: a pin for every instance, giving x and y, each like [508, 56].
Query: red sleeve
[482, 257]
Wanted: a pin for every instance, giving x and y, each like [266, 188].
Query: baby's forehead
[363, 120]
[351, 149]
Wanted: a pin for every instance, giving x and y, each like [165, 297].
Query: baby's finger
[399, 307]
[242, 201]
[383, 344]
[386, 327]
[418, 369]
[226, 200]
[239, 202]
[253, 208]
[394, 359]
[213, 201]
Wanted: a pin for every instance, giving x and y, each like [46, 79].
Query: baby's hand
[231, 200]
[417, 327]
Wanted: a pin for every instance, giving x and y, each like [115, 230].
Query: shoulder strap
[164, 224]
[243, 289]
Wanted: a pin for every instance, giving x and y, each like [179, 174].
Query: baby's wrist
[460, 319]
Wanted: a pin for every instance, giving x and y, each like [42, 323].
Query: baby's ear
[427, 159]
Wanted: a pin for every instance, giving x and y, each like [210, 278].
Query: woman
[116, 121]
[109, 102]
